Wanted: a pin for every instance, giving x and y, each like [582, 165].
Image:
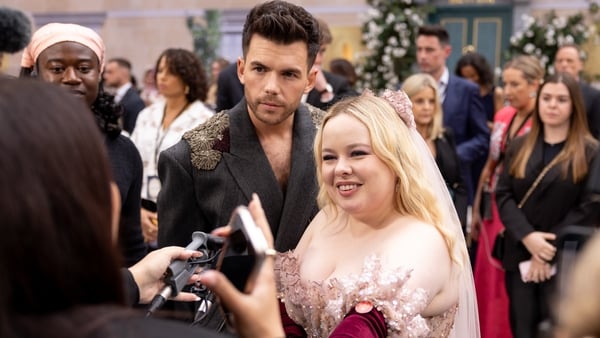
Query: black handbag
[486, 205]
[498, 249]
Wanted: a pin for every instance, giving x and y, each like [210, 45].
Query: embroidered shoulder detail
[208, 141]
[320, 306]
[316, 114]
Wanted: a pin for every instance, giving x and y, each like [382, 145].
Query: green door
[482, 28]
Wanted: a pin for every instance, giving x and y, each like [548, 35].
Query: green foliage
[206, 32]
[389, 31]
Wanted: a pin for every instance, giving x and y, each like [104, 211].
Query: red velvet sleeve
[361, 325]
[291, 329]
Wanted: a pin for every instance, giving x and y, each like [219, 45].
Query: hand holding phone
[243, 252]
[256, 310]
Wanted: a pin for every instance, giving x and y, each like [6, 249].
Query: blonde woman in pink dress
[385, 256]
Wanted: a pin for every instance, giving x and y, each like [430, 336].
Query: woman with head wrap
[72, 56]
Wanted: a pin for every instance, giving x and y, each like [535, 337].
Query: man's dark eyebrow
[285, 70]
[291, 70]
[257, 63]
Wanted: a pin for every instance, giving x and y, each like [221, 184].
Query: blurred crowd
[182, 147]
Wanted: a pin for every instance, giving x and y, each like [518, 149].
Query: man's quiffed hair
[435, 30]
[283, 23]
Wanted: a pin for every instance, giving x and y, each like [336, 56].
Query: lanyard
[158, 140]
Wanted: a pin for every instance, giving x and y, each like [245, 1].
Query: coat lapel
[249, 166]
[290, 214]
[300, 201]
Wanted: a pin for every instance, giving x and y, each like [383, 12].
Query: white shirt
[151, 139]
[443, 83]
[121, 91]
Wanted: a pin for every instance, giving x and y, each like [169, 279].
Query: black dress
[127, 171]
[447, 161]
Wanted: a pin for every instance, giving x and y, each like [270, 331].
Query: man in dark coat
[569, 59]
[117, 75]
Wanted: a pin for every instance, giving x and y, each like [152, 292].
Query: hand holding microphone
[181, 271]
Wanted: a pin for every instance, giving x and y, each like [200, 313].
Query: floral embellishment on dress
[209, 141]
[320, 306]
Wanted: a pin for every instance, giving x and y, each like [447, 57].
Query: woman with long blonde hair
[386, 255]
[423, 92]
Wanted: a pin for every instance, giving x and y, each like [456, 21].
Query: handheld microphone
[15, 30]
[179, 271]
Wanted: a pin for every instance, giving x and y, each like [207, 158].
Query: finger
[538, 258]
[222, 231]
[222, 287]
[548, 236]
[547, 274]
[147, 238]
[177, 252]
[536, 276]
[186, 297]
[258, 214]
[152, 228]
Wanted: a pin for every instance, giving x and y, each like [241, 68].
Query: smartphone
[243, 252]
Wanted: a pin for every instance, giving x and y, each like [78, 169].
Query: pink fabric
[291, 329]
[361, 325]
[492, 298]
[54, 33]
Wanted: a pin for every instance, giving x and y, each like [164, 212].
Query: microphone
[15, 30]
[179, 271]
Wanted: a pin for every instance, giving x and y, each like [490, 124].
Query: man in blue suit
[461, 103]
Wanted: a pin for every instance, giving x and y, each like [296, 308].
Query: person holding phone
[60, 266]
[546, 184]
[386, 255]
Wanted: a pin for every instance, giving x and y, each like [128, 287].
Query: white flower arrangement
[388, 33]
[543, 37]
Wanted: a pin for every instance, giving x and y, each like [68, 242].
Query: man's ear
[447, 50]
[240, 69]
[312, 76]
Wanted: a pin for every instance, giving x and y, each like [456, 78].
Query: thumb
[548, 236]
[222, 287]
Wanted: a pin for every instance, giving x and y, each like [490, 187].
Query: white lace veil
[466, 323]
